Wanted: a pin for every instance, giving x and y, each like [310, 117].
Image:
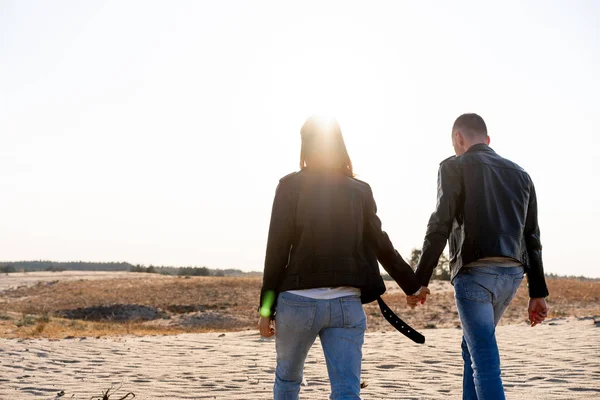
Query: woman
[323, 229]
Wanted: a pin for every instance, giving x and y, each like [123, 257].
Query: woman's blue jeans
[482, 295]
[339, 323]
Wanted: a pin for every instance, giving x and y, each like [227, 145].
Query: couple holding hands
[325, 241]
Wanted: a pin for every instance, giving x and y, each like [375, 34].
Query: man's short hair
[471, 125]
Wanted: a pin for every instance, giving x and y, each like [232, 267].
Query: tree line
[54, 266]
[46, 265]
[189, 271]
[442, 272]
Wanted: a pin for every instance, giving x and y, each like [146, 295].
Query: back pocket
[516, 284]
[354, 314]
[296, 316]
[475, 286]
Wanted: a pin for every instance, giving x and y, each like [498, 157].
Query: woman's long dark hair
[323, 146]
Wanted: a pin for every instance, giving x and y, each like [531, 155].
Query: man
[487, 210]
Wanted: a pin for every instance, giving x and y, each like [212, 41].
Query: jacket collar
[479, 147]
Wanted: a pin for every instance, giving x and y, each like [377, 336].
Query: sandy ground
[558, 360]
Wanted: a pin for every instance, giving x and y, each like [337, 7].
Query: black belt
[400, 325]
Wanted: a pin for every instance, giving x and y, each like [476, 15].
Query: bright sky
[156, 131]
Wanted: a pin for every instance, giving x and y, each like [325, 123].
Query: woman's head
[323, 146]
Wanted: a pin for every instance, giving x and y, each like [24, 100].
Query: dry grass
[234, 298]
[233, 294]
[231, 303]
[60, 328]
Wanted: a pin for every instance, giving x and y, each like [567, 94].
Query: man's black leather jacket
[486, 207]
[325, 232]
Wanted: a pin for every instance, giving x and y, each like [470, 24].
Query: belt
[400, 325]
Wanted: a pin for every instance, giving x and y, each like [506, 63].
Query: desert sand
[558, 360]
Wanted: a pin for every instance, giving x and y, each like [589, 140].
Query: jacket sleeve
[279, 242]
[440, 223]
[535, 271]
[387, 255]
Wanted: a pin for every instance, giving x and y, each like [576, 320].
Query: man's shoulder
[492, 159]
[509, 164]
[449, 160]
[514, 165]
[451, 164]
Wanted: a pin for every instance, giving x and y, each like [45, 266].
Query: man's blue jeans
[482, 295]
[340, 324]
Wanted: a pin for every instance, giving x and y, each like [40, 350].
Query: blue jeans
[340, 324]
[482, 295]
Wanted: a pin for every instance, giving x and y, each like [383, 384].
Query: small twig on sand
[106, 395]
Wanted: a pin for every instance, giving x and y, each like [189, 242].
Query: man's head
[468, 130]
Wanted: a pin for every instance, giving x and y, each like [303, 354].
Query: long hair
[323, 146]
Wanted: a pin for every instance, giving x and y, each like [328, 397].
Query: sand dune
[558, 360]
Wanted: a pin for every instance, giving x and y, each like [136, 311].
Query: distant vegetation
[5, 269]
[440, 273]
[579, 278]
[30, 266]
[190, 271]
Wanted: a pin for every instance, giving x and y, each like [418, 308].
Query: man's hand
[538, 311]
[265, 328]
[421, 297]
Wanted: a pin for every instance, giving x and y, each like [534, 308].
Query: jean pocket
[353, 313]
[475, 286]
[515, 287]
[297, 316]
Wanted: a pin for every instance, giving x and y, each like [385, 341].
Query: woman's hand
[419, 297]
[265, 328]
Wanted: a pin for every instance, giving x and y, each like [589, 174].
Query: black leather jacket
[486, 207]
[325, 232]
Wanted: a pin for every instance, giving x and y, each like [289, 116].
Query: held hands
[266, 326]
[419, 297]
[538, 311]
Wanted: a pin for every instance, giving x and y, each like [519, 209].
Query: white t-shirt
[327, 293]
[494, 262]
